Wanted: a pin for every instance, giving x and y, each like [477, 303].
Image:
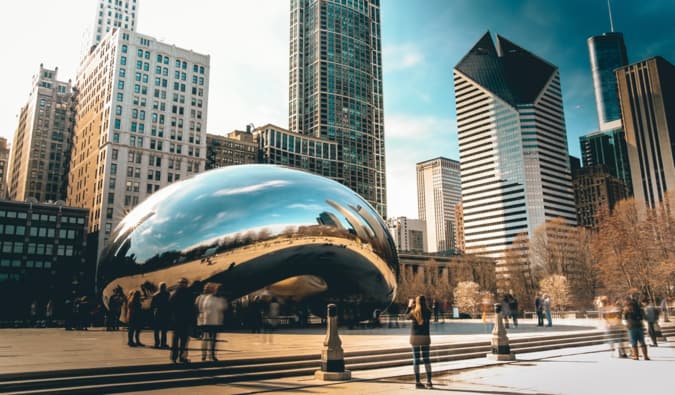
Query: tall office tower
[460, 244]
[607, 53]
[647, 95]
[512, 144]
[409, 234]
[4, 163]
[141, 124]
[335, 87]
[438, 191]
[607, 146]
[595, 188]
[38, 165]
[111, 14]
[237, 148]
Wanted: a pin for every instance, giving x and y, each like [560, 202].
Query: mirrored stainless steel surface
[295, 234]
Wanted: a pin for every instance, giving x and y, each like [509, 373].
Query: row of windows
[17, 247]
[20, 230]
[17, 263]
[41, 217]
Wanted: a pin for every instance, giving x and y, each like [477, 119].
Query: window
[118, 123]
[116, 137]
[123, 60]
[123, 72]
[120, 96]
[118, 110]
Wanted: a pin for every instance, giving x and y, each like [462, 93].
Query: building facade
[335, 87]
[409, 234]
[460, 243]
[438, 191]
[280, 147]
[607, 52]
[112, 14]
[595, 189]
[43, 247]
[4, 166]
[608, 148]
[237, 148]
[38, 165]
[513, 146]
[141, 124]
[647, 97]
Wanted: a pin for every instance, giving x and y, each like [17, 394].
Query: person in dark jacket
[181, 304]
[160, 315]
[420, 315]
[633, 315]
[134, 319]
[652, 317]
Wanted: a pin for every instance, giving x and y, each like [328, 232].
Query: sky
[422, 41]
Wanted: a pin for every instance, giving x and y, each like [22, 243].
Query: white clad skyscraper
[513, 147]
[438, 192]
[112, 14]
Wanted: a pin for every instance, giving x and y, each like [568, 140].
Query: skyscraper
[438, 191]
[607, 53]
[111, 14]
[335, 87]
[607, 148]
[647, 96]
[38, 165]
[512, 143]
[4, 163]
[141, 124]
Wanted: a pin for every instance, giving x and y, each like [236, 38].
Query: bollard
[332, 356]
[500, 342]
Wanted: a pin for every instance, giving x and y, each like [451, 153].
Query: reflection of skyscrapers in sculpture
[512, 143]
[329, 219]
[42, 140]
[607, 146]
[335, 88]
[647, 96]
[438, 191]
[141, 124]
[409, 234]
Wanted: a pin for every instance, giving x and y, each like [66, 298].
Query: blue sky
[422, 41]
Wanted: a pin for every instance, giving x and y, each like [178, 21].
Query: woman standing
[211, 307]
[134, 319]
[633, 315]
[419, 314]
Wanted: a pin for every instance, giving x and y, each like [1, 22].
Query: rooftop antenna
[611, 22]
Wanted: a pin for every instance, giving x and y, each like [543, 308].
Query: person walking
[435, 307]
[211, 308]
[513, 306]
[420, 315]
[182, 312]
[506, 309]
[161, 315]
[539, 309]
[652, 316]
[610, 313]
[664, 309]
[134, 319]
[633, 315]
[49, 313]
[546, 305]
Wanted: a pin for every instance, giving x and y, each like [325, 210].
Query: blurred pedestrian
[539, 309]
[652, 317]
[211, 308]
[33, 314]
[134, 319]
[117, 300]
[546, 305]
[435, 307]
[633, 315]
[611, 317]
[420, 340]
[49, 313]
[664, 309]
[513, 307]
[182, 312]
[506, 309]
[161, 315]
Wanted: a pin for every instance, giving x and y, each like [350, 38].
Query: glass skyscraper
[608, 148]
[607, 53]
[335, 87]
[514, 160]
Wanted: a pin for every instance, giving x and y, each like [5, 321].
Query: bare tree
[467, 296]
[556, 286]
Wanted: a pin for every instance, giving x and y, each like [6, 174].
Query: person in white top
[211, 307]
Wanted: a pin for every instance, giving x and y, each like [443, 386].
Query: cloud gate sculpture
[255, 227]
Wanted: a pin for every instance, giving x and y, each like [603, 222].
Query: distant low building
[237, 148]
[409, 234]
[595, 187]
[43, 256]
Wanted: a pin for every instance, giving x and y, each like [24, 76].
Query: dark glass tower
[335, 87]
[607, 53]
[608, 148]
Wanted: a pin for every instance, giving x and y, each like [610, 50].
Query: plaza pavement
[583, 370]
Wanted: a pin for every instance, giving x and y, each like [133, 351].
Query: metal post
[332, 356]
[500, 342]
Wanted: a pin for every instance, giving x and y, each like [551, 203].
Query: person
[633, 315]
[539, 309]
[506, 309]
[546, 305]
[160, 315]
[33, 315]
[611, 316]
[513, 306]
[420, 315]
[435, 307]
[664, 309]
[117, 300]
[49, 313]
[182, 312]
[652, 316]
[134, 319]
[211, 312]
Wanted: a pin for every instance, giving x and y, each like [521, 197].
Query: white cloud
[401, 56]
[251, 188]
